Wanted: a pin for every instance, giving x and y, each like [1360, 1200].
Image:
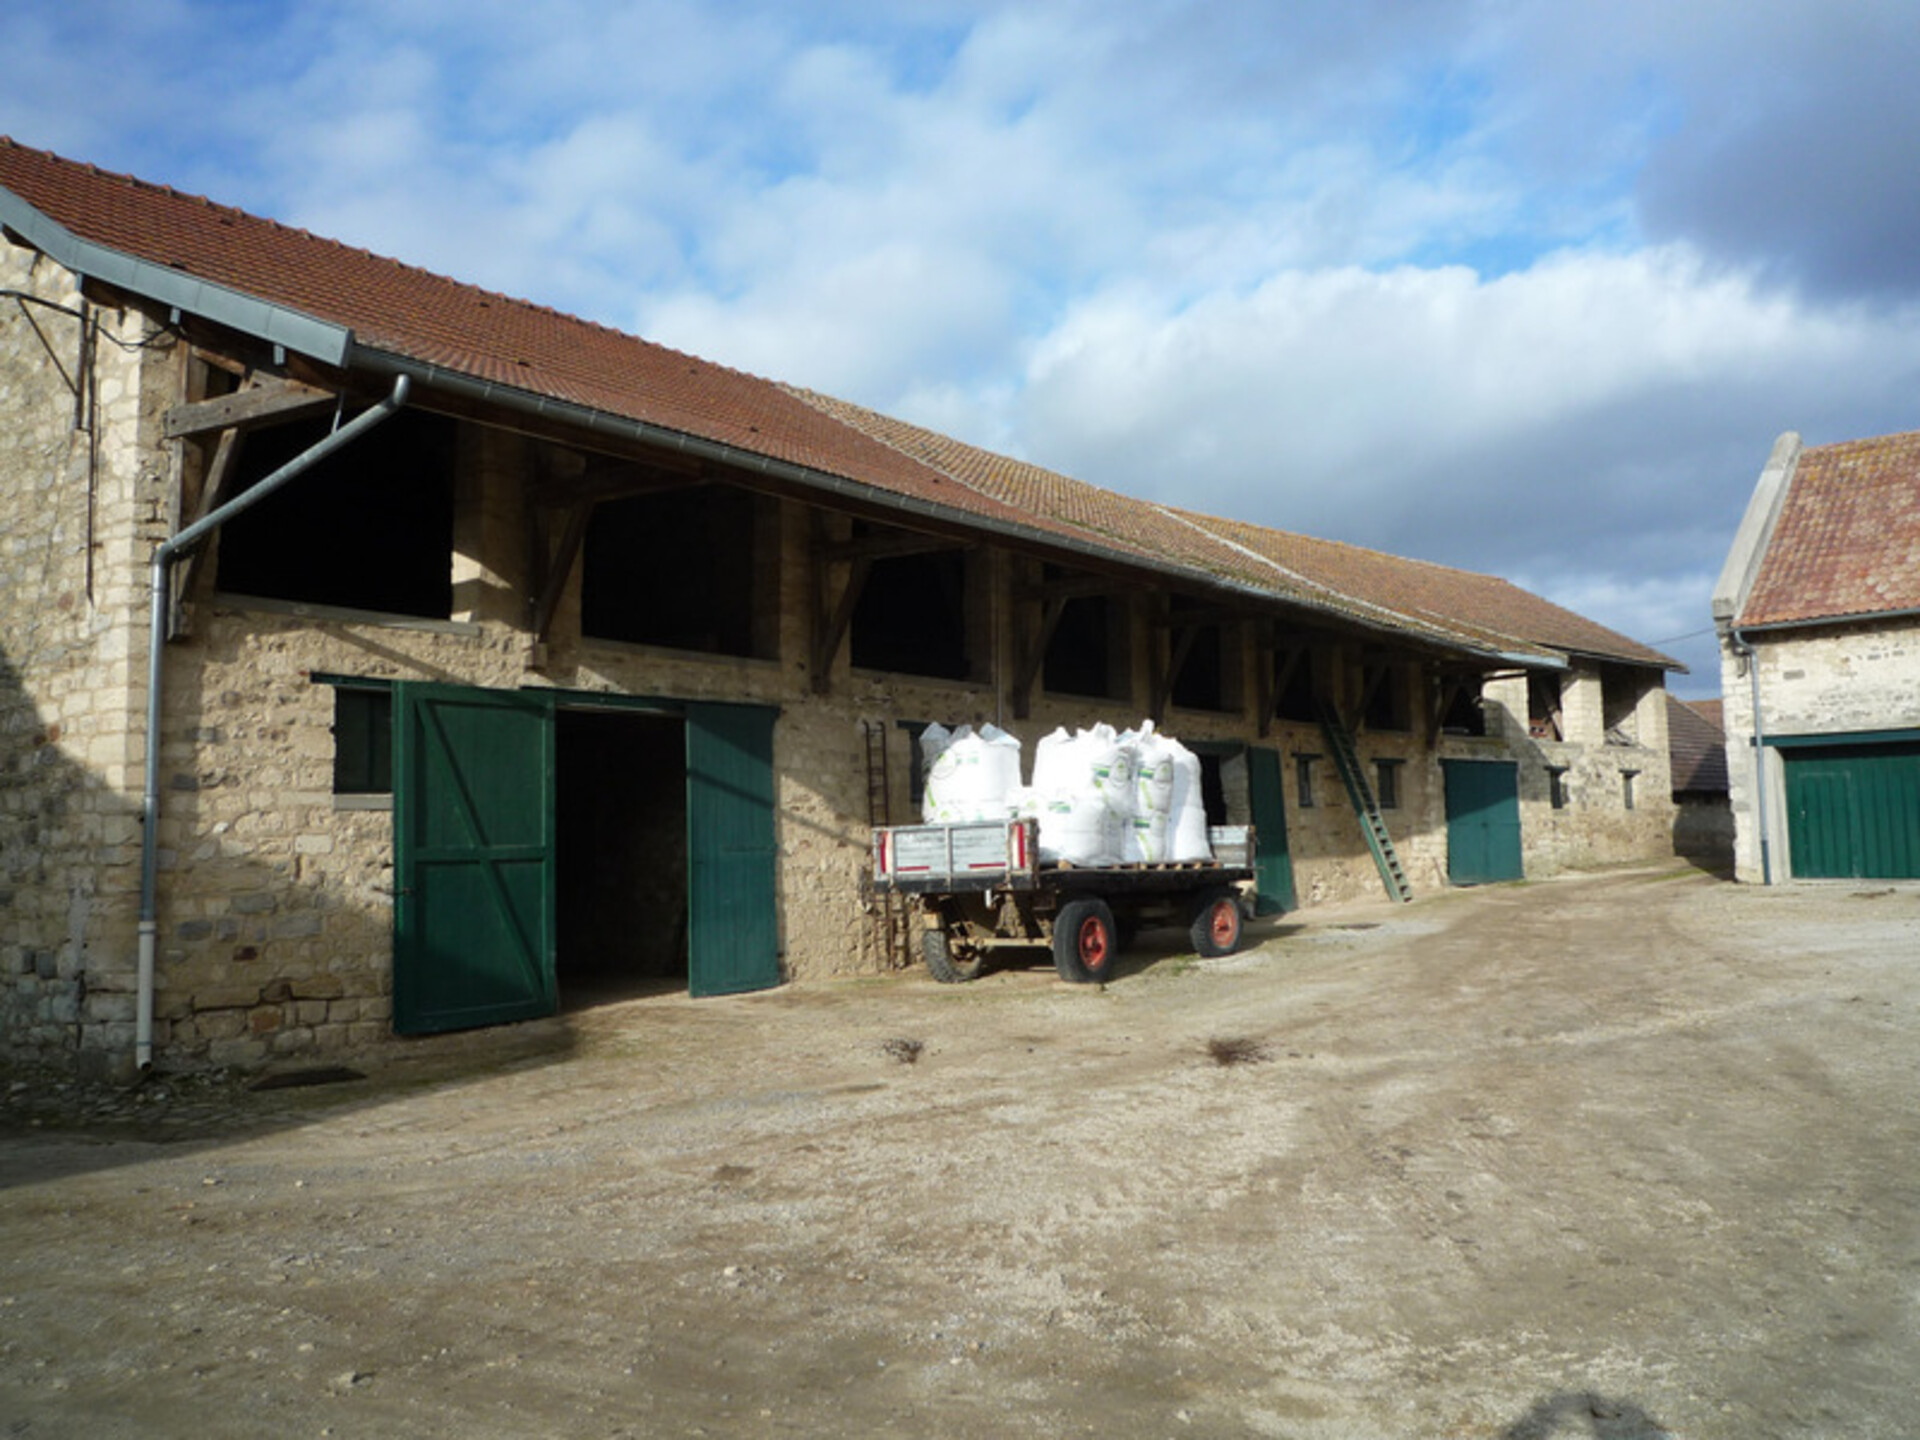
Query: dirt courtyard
[1619, 1156]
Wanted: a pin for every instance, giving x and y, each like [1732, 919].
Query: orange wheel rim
[1093, 942]
[1226, 924]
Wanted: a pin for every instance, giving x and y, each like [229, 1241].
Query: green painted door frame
[1483, 821]
[473, 857]
[1273, 864]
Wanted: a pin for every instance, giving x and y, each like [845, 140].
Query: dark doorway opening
[621, 821]
[1213, 789]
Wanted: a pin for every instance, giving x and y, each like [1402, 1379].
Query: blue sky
[1528, 288]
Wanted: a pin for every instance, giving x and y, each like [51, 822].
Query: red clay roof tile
[1848, 538]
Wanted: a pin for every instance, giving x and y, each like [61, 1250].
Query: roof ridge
[1890, 438]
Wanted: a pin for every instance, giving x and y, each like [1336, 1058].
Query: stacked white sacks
[1101, 798]
[970, 776]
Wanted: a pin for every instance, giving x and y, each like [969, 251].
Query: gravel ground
[1619, 1156]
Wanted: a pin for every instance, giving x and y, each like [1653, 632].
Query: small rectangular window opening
[1303, 778]
[1387, 783]
[1626, 787]
[1557, 786]
[362, 741]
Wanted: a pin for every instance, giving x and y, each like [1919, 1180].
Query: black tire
[1217, 923]
[943, 964]
[1084, 943]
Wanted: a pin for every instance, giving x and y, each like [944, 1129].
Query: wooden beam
[1372, 677]
[1279, 680]
[1446, 693]
[1181, 647]
[271, 404]
[1074, 587]
[831, 629]
[885, 547]
[554, 579]
[1034, 658]
[214, 488]
[608, 479]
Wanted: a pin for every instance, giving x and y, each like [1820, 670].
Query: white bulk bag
[1187, 825]
[974, 777]
[1073, 780]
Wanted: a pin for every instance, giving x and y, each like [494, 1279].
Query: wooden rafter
[272, 403]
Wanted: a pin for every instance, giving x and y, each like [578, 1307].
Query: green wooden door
[1273, 865]
[1483, 821]
[1853, 812]
[733, 929]
[473, 858]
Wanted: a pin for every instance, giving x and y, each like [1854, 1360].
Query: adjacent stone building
[1818, 611]
[1697, 757]
[381, 654]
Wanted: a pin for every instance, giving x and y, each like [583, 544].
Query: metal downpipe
[160, 587]
[1744, 648]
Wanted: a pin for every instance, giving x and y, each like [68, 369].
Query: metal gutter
[275, 324]
[160, 589]
[1774, 627]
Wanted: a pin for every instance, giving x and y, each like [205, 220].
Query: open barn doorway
[621, 823]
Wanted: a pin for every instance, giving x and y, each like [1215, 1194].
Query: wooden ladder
[1372, 824]
[890, 915]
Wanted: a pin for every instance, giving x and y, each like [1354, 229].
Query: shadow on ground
[1585, 1416]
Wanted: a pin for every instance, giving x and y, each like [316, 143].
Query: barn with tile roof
[1818, 611]
[381, 653]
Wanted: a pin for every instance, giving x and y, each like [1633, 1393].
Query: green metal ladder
[1372, 824]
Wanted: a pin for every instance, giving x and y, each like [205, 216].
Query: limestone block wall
[1829, 681]
[82, 493]
[1595, 826]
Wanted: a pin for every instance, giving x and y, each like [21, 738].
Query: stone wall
[1600, 822]
[82, 485]
[1833, 680]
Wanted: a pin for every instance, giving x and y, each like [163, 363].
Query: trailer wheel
[1216, 923]
[943, 964]
[1084, 943]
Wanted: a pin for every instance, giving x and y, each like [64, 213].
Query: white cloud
[1377, 271]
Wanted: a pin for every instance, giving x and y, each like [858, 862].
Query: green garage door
[1853, 811]
[1483, 821]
